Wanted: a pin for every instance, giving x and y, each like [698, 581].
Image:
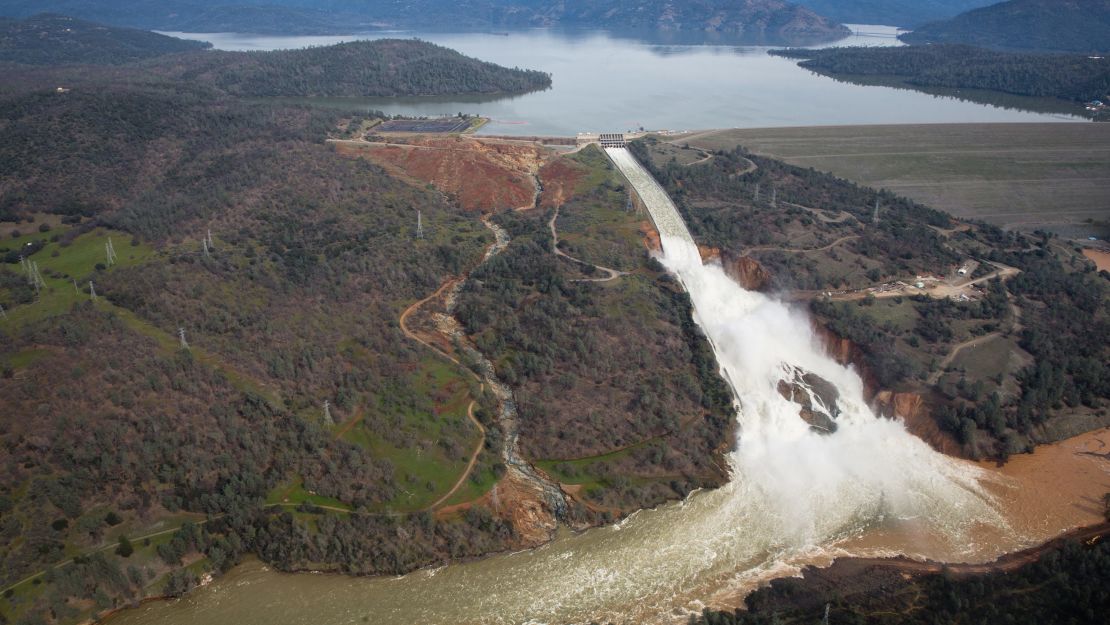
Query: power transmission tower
[184, 343]
[36, 277]
[3, 315]
[211, 243]
[774, 197]
[419, 225]
[875, 215]
[204, 242]
[756, 192]
[825, 621]
[110, 252]
[92, 290]
[75, 289]
[327, 413]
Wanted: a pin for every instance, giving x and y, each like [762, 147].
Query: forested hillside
[384, 67]
[583, 352]
[1076, 77]
[1047, 25]
[57, 39]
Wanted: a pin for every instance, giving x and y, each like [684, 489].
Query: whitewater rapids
[794, 495]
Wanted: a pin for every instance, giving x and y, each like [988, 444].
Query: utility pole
[75, 289]
[419, 225]
[181, 333]
[774, 197]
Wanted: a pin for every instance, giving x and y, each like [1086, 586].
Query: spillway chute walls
[842, 468]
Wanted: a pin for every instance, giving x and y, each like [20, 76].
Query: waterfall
[816, 483]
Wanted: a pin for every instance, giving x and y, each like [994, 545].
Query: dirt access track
[482, 175]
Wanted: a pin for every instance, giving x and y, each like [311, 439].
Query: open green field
[1023, 176]
[429, 444]
[67, 268]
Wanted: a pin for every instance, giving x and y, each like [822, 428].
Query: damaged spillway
[798, 490]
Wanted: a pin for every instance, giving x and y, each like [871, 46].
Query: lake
[604, 81]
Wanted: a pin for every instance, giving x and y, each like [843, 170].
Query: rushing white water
[793, 494]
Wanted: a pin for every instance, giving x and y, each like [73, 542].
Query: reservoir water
[602, 81]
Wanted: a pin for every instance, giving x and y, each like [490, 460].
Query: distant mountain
[772, 20]
[1050, 25]
[904, 13]
[56, 39]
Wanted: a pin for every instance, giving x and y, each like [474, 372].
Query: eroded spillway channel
[794, 493]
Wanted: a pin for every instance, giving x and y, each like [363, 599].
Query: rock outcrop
[747, 272]
[803, 388]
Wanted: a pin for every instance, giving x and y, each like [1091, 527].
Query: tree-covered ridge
[380, 68]
[1059, 25]
[56, 39]
[1075, 77]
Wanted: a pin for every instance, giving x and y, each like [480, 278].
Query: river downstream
[796, 497]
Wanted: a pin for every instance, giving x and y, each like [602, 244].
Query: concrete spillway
[663, 211]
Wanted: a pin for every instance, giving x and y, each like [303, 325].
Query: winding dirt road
[613, 274]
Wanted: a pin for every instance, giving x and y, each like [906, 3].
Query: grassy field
[429, 449]
[1023, 176]
[68, 269]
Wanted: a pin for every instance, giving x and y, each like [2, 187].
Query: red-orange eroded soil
[481, 175]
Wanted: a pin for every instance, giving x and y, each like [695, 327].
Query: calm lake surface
[608, 82]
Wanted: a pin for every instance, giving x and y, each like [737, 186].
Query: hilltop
[56, 39]
[1052, 25]
[904, 13]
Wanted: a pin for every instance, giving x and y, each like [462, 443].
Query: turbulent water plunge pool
[796, 497]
